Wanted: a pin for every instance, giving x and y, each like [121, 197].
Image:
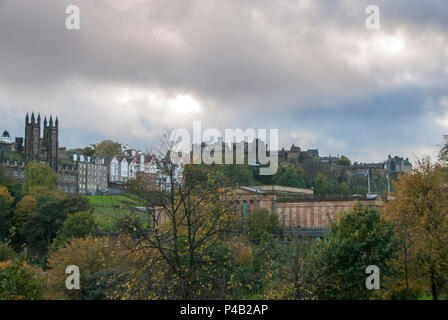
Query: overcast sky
[309, 68]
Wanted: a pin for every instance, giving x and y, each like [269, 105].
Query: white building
[128, 167]
[122, 169]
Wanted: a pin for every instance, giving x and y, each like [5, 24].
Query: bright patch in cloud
[389, 45]
[184, 104]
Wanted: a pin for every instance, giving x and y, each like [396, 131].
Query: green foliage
[14, 187]
[290, 177]
[420, 215]
[23, 210]
[107, 208]
[101, 285]
[234, 174]
[39, 175]
[321, 184]
[187, 256]
[6, 201]
[6, 252]
[287, 271]
[18, 280]
[270, 266]
[357, 189]
[357, 238]
[343, 189]
[77, 225]
[43, 223]
[302, 262]
[88, 152]
[260, 221]
[108, 148]
[344, 161]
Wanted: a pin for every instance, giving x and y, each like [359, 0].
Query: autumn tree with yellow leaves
[93, 255]
[420, 215]
[180, 248]
[6, 201]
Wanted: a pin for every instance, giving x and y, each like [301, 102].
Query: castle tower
[32, 138]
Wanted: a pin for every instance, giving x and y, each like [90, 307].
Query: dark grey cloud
[309, 68]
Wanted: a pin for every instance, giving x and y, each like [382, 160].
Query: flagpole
[368, 181]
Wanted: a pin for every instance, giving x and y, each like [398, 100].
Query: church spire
[51, 121]
[45, 122]
[26, 118]
[56, 122]
[32, 117]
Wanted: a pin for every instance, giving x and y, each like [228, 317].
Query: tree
[4, 179]
[77, 225]
[88, 152]
[344, 161]
[302, 266]
[343, 189]
[358, 189]
[6, 201]
[289, 177]
[260, 221]
[420, 214]
[14, 188]
[6, 252]
[190, 226]
[18, 280]
[39, 175]
[44, 222]
[91, 255]
[270, 266]
[108, 148]
[233, 175]
[357, 238]
[23, 210]
[321, 184]
[186, 235]
[244, 282]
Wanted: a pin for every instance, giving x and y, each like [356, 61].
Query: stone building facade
[92, 174]
[14, 169]
[7, 144]
[301, 210]
[398, 164]
[314, 214]
[68, 179]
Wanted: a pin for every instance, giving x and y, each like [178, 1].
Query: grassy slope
[107, 208]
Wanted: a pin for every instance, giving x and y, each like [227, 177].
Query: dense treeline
[296, 177]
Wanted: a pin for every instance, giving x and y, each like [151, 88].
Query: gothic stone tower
[45, 148]
[50, 143]
[32, 138]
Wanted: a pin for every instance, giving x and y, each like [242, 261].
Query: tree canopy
[39, 176]
[108, 148]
